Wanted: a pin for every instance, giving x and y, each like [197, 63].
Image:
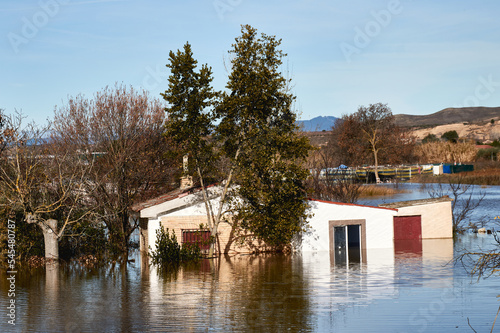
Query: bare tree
[481, 263]
[370, 136]
[376, 122]
[46, 184]
[346, 143]
[121, 131]
[3, 131]
[465, 201]
[328, 180]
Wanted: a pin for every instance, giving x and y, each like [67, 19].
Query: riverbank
[486, 176]
[377, 190]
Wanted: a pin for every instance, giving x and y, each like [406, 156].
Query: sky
[418, 56]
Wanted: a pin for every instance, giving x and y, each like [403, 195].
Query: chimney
[186, 181]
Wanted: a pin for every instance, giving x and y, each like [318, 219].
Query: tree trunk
[375, 157]
[213, 233]
[49, 229]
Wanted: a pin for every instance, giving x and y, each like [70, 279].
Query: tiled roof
[177, 193]
[350, 204]
[400, 204]
[162, 198]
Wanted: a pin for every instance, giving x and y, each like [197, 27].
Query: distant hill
[449, 116]
[317, 124]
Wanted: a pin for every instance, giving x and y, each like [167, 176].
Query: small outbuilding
[353, 232]
[423, 219]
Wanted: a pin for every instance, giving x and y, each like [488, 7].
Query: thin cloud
[78, 33]
[94, 1]
[70, 3]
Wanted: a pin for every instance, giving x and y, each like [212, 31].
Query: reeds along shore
[446, 152]
[490, 176]
[376, 190]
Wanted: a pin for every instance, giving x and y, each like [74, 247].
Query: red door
[407, 227]
[196, 236]
[408, 234]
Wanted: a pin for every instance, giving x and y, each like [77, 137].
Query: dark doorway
[354, 242]
[347, 244]
[340, 245]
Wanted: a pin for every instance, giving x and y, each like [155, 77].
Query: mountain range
[449, 116]
[318, 124]
[446, 116]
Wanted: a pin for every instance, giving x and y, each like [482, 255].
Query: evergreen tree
[258, 132]
[191, 121]
[254, 133]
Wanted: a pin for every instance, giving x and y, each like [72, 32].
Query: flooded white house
[349, 230]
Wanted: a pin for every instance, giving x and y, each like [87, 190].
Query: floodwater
[488, 209]
[402, 292]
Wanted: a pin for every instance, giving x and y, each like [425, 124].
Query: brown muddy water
[402, 292]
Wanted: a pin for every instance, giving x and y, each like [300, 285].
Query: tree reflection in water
[395, 290]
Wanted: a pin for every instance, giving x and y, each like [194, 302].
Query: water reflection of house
[350, 231]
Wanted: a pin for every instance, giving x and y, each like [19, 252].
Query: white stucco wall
[153, 225]
[436, 218]
[185, 206]
[379, 225]
[180, 206]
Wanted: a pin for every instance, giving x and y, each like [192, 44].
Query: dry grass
[480, 177]
[446, 152]
[490, 176]
[377, 190]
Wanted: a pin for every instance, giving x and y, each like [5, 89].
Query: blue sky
[419, 56]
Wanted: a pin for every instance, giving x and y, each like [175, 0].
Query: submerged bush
[169, 252]
[29, 238]
[83, 239]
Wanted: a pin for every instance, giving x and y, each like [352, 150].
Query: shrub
[168, 251]
[29, 238]
[488, 154]
[430, 138]
[83, 239]
[451, 136]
